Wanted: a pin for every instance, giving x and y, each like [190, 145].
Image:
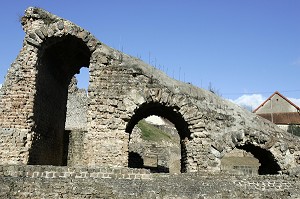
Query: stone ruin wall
[102, 182]
[77, 107]
[122, 90]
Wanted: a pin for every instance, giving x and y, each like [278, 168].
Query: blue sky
[246, 49]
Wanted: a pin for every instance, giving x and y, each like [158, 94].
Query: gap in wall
[83, 78]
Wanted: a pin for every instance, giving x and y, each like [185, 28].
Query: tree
[294, 129]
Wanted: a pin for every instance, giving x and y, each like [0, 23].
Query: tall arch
[169, 112]
[60, 58]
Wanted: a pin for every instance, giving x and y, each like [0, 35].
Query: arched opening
[59, 60]
[268, 164]
[172, 115]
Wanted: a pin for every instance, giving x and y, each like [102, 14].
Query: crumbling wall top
[37, 14]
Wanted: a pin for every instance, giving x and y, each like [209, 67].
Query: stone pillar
[16, 108]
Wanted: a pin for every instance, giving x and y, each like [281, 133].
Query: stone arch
[268, 163]
[59, 59]
[169, 112]
[261, 146]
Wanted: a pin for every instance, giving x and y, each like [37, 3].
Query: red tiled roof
[282, 118]
[276, 92]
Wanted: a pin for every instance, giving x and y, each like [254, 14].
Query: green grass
[152, 133]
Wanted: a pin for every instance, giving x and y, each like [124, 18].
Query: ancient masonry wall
[16, 108]
[71, 182]
[122, 90]
[76, 117]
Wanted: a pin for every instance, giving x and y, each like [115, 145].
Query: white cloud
[0, 85]
[295, 101]
[249, 102]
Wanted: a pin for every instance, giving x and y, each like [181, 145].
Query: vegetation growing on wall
[152, 133]
[294, 129]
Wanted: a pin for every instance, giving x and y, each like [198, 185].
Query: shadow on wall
[268, 164]
[59, 59]
[135, 160]
[249, 160]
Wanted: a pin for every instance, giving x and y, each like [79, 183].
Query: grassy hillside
[152, 133]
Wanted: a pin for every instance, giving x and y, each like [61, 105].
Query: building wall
[276, 105]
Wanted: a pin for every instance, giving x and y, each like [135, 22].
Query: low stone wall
[72, 172]
[79, 182]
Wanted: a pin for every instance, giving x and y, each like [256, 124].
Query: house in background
[280, 110]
